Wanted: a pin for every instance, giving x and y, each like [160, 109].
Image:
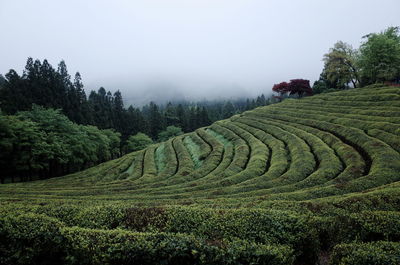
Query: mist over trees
[43, 85]
[50, 127]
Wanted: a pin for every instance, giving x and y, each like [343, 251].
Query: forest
[51, 128]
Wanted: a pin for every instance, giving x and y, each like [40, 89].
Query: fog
[193, 49]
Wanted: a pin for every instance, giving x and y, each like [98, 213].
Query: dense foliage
[376, 61]
[44, 143]
[295, 86]
[43, 85]
[85, 131]
[137, 142]
[380, 56]
[305, 181]
[340, 66]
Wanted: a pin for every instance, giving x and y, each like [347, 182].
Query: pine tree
[192, 119]
[118, 112]
[204, 119]
[182, 118]
[170, 115]
[156, 122]
[228, 110]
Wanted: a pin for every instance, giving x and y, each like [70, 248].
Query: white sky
[203, 48]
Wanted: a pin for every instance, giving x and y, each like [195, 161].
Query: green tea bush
[194, 150]
[366, 226]
[137, 170]
[205, 148]
[119, 247]
[302, 159]
[278, 161]
[159, 157]
[93, 216]
[31, 239]
[37, 239]
[241, 150]
[185, 161]
[261, 226]
[149, 165]
[169, 161]
[374, 253]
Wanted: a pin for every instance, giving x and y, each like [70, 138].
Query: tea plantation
[305, 181]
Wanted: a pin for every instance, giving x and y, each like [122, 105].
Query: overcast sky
[202, 48]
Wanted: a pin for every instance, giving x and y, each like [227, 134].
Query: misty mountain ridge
[163, 92]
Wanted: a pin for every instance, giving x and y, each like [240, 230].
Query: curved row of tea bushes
[381, 158]
[329, 165]
[241, 150]
[194, 151]
[345, 121]
[278, 161]
[209, 165]
[137, 170]
[169, 162]
[302, 161]
[384, 105]
[389, 138]
[258, 156]
[159, 157]
[185, 162]
[204, 147]
[210, 185]
[350, 158]
[149, 165]
[360, 114]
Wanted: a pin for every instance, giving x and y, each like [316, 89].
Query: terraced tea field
[305, 181]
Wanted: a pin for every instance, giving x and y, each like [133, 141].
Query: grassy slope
[317, 159]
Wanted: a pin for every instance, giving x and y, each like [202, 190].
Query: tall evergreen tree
[136, 122]
[228, 110]
[118, 112]
[204, 119]
[261, 100]
[170, 115]
[182, 118]
[156, 122]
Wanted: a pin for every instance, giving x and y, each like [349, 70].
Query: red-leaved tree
[300, 87]
[296, 86]
[281, 88]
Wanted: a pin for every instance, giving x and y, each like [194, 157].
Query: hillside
[305, 181]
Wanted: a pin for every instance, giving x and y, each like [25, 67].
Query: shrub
[31, 239]
[375, 253]
[138, 142]
[37, 239]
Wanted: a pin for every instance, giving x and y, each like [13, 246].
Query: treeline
[43, 143]
[49, 127]
[43, 85]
